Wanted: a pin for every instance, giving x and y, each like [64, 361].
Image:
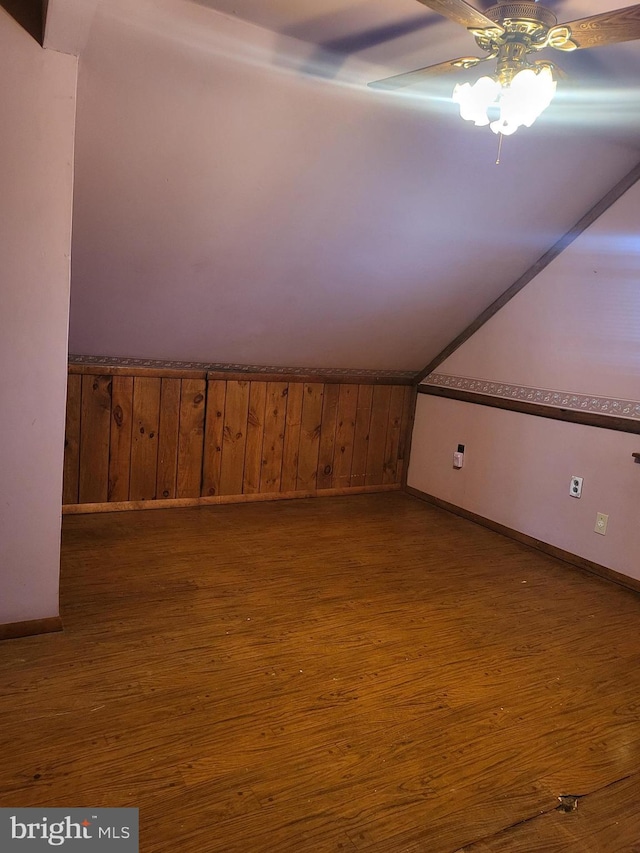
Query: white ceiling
[242, 196]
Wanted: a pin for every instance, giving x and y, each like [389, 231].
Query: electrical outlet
[601, 523]
[575, 487]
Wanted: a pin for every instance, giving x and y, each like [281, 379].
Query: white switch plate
[601, 523]
[575, 487]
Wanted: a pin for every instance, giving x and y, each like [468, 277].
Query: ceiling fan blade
[607, 28]
[462, 13]
[363, 40]
[399, 81]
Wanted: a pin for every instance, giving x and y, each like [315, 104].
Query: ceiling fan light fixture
[520, 102]
[510, 31]
[530, 93]
[475, 100]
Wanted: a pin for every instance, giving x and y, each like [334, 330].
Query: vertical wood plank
[191, 438]
[120, 440]
[95, 425]
[293, 420]
[378, 434]
[213, 436]
[167, 474]
[328, 435]
[273, 433]
[310, 426]
[144, 448]
[361, 435]
[72, 440]
[345, 430]
[255, 434]
[410, 394]
[234, 437]
[273, 442]
[390, 466]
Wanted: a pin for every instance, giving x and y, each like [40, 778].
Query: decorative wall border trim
[609, 406]
[248, 369]
[539, 410]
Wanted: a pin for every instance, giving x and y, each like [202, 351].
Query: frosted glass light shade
[530, 93]
[475, 100]
[528, 96]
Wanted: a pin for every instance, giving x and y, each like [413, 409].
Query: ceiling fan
[511, 32]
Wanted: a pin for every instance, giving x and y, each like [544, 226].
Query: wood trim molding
[75, 369]
[581, 225]
[85, 364]
[212, 500]
[537, 409]
[559, 553]
[15, 630]
[407, 455]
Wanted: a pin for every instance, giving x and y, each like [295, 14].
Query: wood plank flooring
[364, 673]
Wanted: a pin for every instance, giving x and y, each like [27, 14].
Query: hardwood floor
[363, 673]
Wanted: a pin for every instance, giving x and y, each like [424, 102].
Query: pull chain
[499, 148]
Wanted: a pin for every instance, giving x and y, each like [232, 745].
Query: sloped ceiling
[241, 196]
[580, 315]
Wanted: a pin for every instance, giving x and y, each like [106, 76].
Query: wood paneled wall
[141, 436]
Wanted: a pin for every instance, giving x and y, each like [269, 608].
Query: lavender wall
[517, 471]
[575, 328]
[37, 110]
[238, 201]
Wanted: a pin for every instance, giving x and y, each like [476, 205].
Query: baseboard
[14, 630]
[525, 539]
[212, 500]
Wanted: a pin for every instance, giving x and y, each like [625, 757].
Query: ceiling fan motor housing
[524, 29]
[521, 12]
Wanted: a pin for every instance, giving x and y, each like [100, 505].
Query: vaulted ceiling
[241, 196]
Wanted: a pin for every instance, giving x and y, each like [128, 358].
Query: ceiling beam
[588, 219]
[67, 24]
[27, 13]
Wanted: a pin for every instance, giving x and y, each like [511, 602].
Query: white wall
[37, 113]
[574, 328]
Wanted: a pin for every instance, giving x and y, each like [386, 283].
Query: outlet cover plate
[602, 520]
[575, 487]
